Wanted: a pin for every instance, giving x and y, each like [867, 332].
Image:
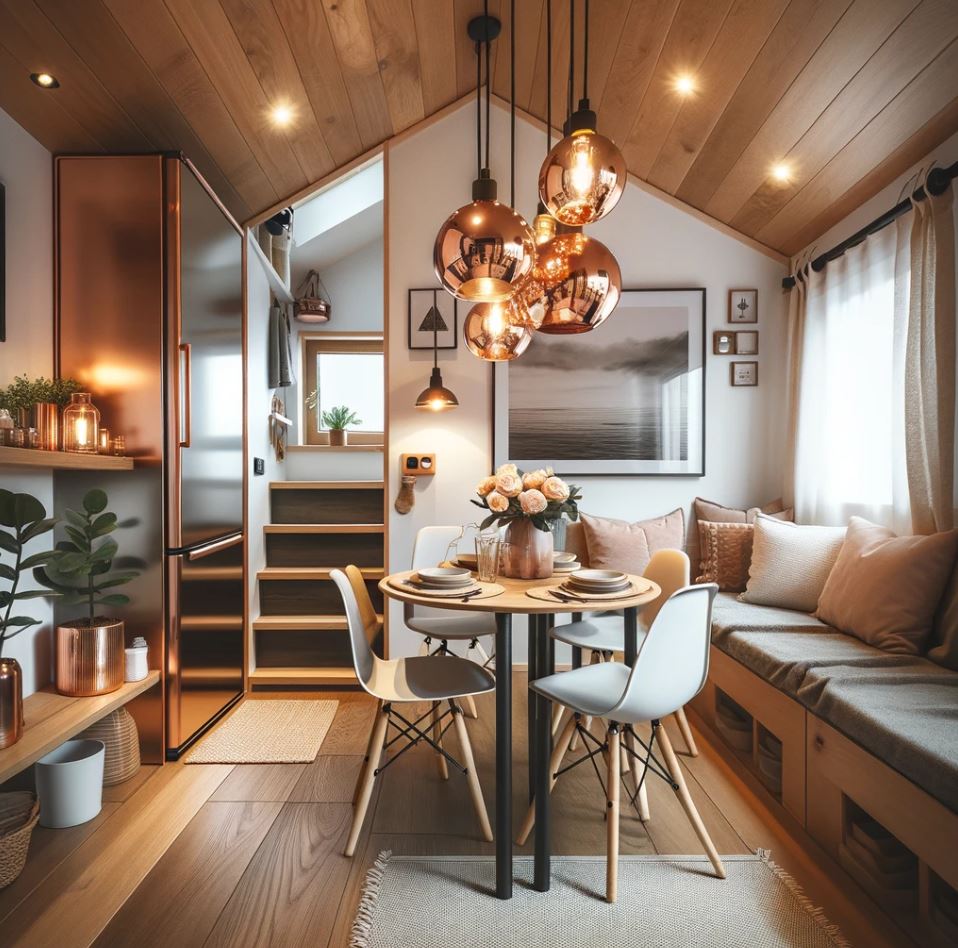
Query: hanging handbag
[311, 305]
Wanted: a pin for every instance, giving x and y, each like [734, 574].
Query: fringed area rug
[267, 731]
[664, 901]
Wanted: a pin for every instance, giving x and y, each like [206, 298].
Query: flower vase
[528, 551]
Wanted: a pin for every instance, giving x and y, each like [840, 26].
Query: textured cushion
[790, 563]
[615, 544]
[730, 614]
[944, 636]
[575, 542]
[885, 589]
[726, 554]
[707, 511]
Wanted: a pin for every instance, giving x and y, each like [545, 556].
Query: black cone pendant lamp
[435, 396]
[485, 247]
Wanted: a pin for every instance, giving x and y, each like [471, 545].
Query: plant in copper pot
[90, 650]
[338, 420]
[22, 519]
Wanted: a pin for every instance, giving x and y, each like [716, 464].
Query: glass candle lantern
[119, 446]
[104, 444]
[81, 425]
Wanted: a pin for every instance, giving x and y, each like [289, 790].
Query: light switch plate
[418, 465]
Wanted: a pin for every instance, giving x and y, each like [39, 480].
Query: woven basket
[119, 735]
[19, 813]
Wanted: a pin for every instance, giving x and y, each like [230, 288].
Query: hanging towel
[280, 351]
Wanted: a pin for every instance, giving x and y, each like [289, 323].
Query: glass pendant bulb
[484, 248]
[491, 335]
[583, 176]
[582, 283]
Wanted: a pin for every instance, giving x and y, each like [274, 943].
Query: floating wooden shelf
[313, 572]
[335, 447]
[314, 623]
[63, 460]
[326, 485]
[280, 290]
[51, 718]
[334, 528]
[303, 676]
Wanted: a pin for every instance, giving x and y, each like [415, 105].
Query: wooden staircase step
[326, 485]
[307, 623]
[312, 572]
[333, 528]
[303, 676]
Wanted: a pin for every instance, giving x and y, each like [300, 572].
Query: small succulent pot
[338, 437]
[90, 657]
[11, 702]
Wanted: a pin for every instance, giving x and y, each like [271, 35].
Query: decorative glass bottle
[81, 425]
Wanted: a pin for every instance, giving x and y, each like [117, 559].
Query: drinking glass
[487, 555]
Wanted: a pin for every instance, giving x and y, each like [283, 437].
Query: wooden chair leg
[470, 705]
[612, 819]
[475, 789]
[437, 737]
[686, 731]
[369, 778]
[644, 815]
[557, 711]
[424, 648]
[685, 798]
[558, 752]
[368, 755]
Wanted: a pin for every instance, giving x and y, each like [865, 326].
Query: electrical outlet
[259, 466]
[417, 465]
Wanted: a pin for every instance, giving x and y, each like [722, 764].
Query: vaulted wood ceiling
[848, 92]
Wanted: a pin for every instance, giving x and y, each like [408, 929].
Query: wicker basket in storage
[119, 735]
[19, 813]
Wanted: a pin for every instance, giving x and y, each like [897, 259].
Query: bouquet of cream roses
[539, 495]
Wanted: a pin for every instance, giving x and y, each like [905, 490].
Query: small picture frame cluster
[742, 309]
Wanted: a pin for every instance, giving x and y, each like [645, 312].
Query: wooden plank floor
[252, 855]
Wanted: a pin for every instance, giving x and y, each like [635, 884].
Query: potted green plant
[337, 420]
[89, 650]
[22, 519]
[18, 398]
[52, 396]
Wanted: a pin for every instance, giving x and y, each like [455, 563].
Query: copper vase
[11, 702]
[337, 437]
[528, 551]
[48, 426]
[90, 658]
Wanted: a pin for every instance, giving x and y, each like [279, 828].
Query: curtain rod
[938, 181]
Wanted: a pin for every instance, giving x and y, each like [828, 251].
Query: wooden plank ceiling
[845, 93]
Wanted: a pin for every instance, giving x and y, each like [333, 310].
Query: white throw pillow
[790, 563]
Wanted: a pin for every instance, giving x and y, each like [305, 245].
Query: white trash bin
[70, 783]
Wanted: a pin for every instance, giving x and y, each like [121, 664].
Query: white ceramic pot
[70, 783]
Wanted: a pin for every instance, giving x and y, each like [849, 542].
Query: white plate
[561, 557]
[601, 577]
[573, 582]
[444, 576]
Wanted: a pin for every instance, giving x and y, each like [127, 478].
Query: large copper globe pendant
[492, 333]
[582, 282]
[483, 250]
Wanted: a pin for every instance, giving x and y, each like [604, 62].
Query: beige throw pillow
[726, 554]
[790, 563]
[707, 511]
[616, 544]
[944, 639]
[885, 589]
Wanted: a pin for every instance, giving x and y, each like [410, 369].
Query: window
[344, 370]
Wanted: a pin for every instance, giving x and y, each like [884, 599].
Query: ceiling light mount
[484, 28]
[45, 80]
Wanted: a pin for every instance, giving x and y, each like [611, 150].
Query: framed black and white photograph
[746, 342]
[743, 306]
[433, 319]
[626, 398]
[744, 374]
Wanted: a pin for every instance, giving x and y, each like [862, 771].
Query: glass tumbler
[487, 556]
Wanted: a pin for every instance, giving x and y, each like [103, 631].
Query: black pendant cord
[571, 92]
[435, 331]
[512, 103]
[936, 183]
[488, 93]
[478, 110]
[585, 55]
[548, 76]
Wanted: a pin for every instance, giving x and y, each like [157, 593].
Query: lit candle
[104, 447]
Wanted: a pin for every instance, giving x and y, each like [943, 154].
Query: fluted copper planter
[47, 416]
[90, 658]
[11, 702]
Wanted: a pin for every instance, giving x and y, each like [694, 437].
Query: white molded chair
[605, 635]
[433, 545]
[426, 678]
[670, 670]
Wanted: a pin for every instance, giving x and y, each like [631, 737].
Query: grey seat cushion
[729, 615]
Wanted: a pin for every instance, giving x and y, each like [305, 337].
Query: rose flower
[555, 489]
[497, 502]
[509, 485]
[486, 485]
[532, 501]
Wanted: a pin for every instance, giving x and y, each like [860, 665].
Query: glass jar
[81, 425]
[6, 427]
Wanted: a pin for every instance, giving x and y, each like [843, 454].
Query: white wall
[26, 172]
[656, 244]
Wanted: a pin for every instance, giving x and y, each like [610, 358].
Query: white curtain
[859, 373]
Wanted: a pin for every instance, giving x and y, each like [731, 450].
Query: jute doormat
[267, 731]
[664, 901]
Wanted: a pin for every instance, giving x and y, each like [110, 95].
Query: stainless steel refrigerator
[151, 311]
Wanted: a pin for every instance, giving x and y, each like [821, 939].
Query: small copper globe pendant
[490, 334]
[483, 250]
[582, 281]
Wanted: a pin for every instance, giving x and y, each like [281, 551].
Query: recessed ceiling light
[684, 84]
[281, 114]
[44, 80]
[781, 172]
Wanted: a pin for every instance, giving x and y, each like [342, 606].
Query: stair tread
[302, 621]
[326, 485]
[313, 572]
[292, 675]
[283, 528]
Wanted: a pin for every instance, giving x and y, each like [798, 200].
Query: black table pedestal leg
[543, 743]
[631, 635]
[503, 756]
[532, 701]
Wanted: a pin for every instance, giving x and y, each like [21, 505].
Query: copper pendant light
[584, 175]
[485, 248]
[492, 332]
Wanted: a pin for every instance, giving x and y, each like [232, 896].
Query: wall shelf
[306, 448]
[63, 460]
[51, 718]
[280, 290]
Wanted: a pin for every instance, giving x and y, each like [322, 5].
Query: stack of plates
[565, 563]
[444, 577]
[597, 581]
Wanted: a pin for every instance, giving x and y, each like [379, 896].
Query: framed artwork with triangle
[433, 319]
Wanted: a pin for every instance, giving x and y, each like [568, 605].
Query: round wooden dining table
[515, 600]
